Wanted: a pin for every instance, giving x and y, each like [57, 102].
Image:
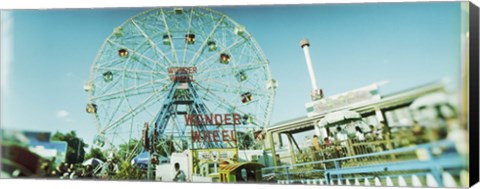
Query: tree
[129, 150]
[166, 148]
[96, 153]
[75, 146]
[128, 172]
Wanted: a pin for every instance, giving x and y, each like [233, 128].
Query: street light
[78, 148]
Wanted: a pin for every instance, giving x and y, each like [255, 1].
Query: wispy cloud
[6, 53]
[62, 114]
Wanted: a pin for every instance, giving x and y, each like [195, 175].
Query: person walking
[179, 175]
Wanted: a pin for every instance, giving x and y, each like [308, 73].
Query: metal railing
[432, 158]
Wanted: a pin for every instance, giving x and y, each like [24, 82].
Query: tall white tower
[317, 93]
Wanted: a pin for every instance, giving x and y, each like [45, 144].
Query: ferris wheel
[134, 85]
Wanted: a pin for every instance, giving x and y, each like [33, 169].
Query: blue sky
[352, 45]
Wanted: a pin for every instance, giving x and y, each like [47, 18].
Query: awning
[428, 100]
[339, 116]
[144, 157]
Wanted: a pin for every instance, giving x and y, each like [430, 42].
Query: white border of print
[63, 184]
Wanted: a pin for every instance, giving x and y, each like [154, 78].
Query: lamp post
[80, 141]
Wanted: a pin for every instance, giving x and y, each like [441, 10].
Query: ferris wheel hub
[182, 74]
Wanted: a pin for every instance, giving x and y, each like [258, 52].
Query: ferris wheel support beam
[167, 110]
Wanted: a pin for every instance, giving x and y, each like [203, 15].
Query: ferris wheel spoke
[152, 44]
[149, 66]
[133, 111]
[252, 90]
[188, 32]
[241, 54]
[202, 25]
[141, 76]
[132, 153]
[116, 135]
[138, 77]
[232, 70]
[214, 101]
[114, 112]
[169, 36]
[135, 52]
[132, 94]
[107, 87]
[202, 47]
[122, 132]
[131, 70]
[123, 91]
[110, 60]
[218, 53]
[150, 101]
[230, 91]
[130, 130]
[226, 104]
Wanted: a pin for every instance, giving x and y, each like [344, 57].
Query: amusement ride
[172, 79]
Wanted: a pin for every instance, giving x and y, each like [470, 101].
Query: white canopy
[339, 116]
[428, 100]
[92, 161]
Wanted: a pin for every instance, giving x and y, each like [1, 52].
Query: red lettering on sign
[225, 135]
[227, 119]
[188, 119]
[212, 119]
[196, 136]
[213, 136]
[206, 134]
[232, 136]
[218, 119]
[198, 120]
[216, 136]
[237, 119]
[209, 119]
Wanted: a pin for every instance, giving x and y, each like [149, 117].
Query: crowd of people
[63, 170]
[337, 141]
[381, 137]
